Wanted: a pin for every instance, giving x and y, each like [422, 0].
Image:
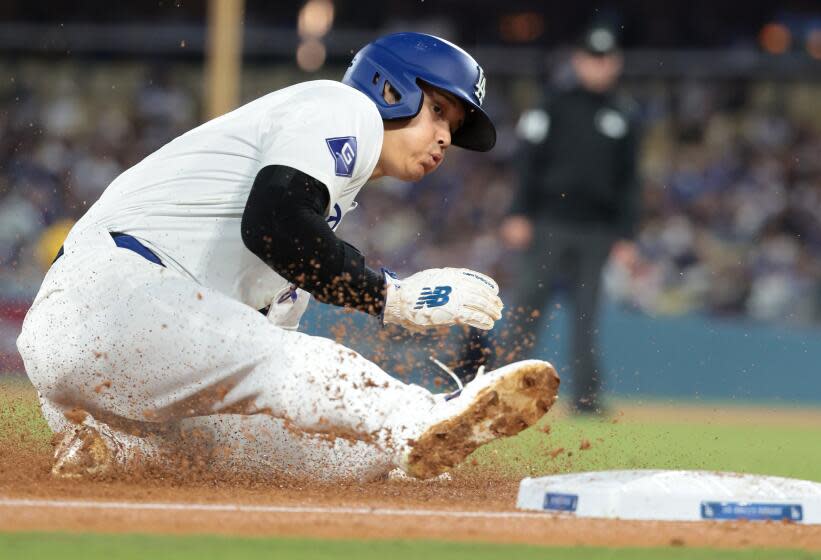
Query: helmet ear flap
[367, 75]
[390, 94]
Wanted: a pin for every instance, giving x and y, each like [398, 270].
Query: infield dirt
[25, 462]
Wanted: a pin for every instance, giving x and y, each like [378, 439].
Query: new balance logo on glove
[441, 297]
[435, 297]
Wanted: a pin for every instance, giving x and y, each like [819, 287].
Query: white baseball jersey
[185, 201]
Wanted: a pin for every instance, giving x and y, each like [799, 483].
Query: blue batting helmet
[404, 59]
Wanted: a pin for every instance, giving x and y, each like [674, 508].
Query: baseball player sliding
[147, 327]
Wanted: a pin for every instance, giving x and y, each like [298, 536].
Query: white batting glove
[441, 297]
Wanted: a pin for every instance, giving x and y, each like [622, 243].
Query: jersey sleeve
[331, 133]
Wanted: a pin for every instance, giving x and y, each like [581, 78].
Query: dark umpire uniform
[579, 192]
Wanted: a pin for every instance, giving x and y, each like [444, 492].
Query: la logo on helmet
[479, 88]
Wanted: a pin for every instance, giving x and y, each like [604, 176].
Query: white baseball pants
[149, 352]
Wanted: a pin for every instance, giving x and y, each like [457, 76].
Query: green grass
[139, 547]
[773, 450]
[21, 422]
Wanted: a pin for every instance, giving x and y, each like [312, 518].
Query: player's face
[597, 73]
[413, 148]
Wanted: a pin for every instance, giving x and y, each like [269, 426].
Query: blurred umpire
[578, 195]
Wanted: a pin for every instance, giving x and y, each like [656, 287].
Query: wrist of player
[441, 297]
[390, 308]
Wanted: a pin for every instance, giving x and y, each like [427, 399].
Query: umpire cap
[599, 40]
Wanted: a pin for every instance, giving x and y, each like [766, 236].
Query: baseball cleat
[497, 404]
[85, 452]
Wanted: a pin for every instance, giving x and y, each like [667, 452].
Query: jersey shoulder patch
[343, 150]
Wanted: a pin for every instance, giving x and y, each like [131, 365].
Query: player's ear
[390, 95]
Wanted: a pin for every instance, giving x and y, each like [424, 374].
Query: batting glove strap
[441, 297]
[391, 283]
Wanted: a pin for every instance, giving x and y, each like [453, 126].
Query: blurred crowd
[732, 206]
[731, 171]
[65, 134]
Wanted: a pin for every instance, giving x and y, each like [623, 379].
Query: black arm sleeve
[284, 225]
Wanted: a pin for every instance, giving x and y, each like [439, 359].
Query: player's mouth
[432, 162]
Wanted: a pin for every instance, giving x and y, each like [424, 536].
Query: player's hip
[87, 277]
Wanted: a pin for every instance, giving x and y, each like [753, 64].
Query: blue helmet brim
[477, 133]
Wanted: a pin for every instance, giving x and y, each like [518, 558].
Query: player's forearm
[283, 224]
[330, 269]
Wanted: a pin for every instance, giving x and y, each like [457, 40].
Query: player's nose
[443, 136]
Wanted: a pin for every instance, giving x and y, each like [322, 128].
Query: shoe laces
[479, 372]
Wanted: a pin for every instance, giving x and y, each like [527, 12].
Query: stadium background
[722, 289]
[711, 319]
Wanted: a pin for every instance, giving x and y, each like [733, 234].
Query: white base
[673, 496]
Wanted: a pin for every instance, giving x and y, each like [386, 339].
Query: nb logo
[436, 297]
